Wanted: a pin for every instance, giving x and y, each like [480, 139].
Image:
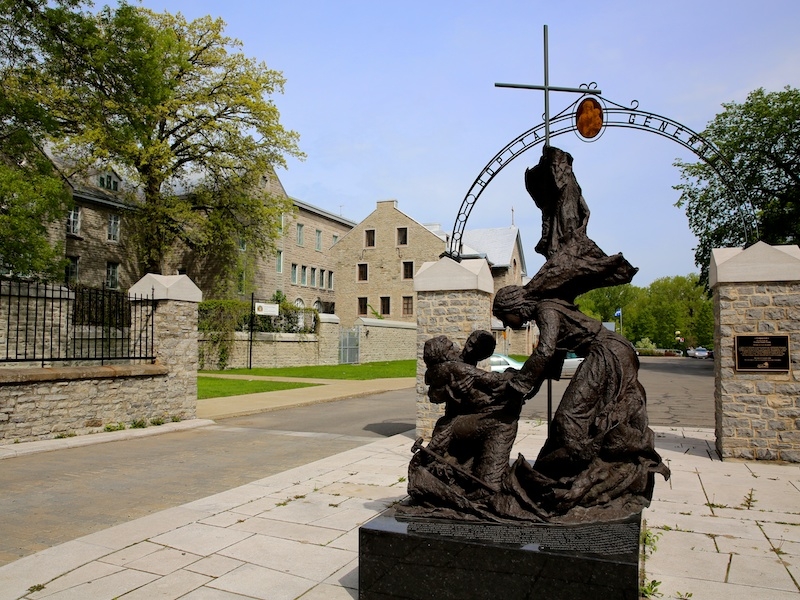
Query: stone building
[378, 259]
[304, 268]
[376, 263]
[97, 244]
[96, 241]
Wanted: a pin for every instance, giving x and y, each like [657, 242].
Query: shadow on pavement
[389, 428]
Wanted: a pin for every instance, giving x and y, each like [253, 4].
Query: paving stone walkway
[724, 530]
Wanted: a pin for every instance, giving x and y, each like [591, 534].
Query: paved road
[680, 392]
[54, 497]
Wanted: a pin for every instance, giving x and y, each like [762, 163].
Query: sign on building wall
[762, 352]
[267, 310]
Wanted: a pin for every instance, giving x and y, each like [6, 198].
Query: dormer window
[109, 182]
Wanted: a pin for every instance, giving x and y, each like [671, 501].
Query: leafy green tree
[761, 140]
[672, 304]
[33, 195]
[32, 198]
[602, 303]
[187, 119]
[656, 312]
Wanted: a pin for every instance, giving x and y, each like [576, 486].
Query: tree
[33, 195]
[656, 312]
[186, 118]
[760, 139]
[671, 304]
[602, 303]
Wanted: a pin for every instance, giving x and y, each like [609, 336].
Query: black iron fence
[44, 323]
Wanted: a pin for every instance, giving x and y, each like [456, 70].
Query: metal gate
[348, 346]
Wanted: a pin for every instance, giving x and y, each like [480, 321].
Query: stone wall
[270, 350]
[43, 403]
[757, 413]
[379, 340]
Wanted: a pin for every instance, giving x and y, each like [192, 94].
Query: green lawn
[213, 387]
[376, 370]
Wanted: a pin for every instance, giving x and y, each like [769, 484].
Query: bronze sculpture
[599, 460]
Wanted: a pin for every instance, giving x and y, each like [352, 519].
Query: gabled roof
[323, 213]
[497, 244]
[388, 204]
[467, 251]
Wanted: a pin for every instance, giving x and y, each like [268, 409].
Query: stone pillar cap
[167, 287]
[449, 275]
[758, 263]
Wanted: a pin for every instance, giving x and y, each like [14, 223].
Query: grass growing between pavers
[374, 370]
[212, 387]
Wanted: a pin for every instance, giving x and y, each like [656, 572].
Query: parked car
[698, 352]
[500, 362]
[571, 363]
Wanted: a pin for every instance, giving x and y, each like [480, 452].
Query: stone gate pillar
[453, 299]
[174, 337]
[757, 351]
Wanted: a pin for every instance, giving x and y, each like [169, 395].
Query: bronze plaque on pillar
[762, 352]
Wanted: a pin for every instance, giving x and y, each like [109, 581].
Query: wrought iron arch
[614, 115]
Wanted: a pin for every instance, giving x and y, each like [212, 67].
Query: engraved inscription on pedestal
[604, 539]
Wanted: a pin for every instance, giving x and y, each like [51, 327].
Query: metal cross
[547, 88]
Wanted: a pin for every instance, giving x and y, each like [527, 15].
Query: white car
[571, 363]
[500, 362]
[698, 352]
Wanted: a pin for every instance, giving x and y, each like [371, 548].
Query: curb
[25, 448]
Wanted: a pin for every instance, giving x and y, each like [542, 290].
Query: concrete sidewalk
[725, 530]
[326, 390]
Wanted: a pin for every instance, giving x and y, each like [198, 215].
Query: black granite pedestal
[422, 559]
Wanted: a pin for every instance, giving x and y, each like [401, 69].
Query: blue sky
[396, 100]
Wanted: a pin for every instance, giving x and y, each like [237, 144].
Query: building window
[112, 235]
[369, 238]
[294, 273]
[313, 282]
[299, 234]
[242, 245]
[408, 306]
[112, 275]
[279, 261]
[386, 305]
[322, 278]
[318, 241]
[303, 275]
[362, 306]
[402, 236]
[109, 183]
[335, 238]
[363, 272]
[74, 221]
[408, 269]
[71, 271]
[330, 280]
